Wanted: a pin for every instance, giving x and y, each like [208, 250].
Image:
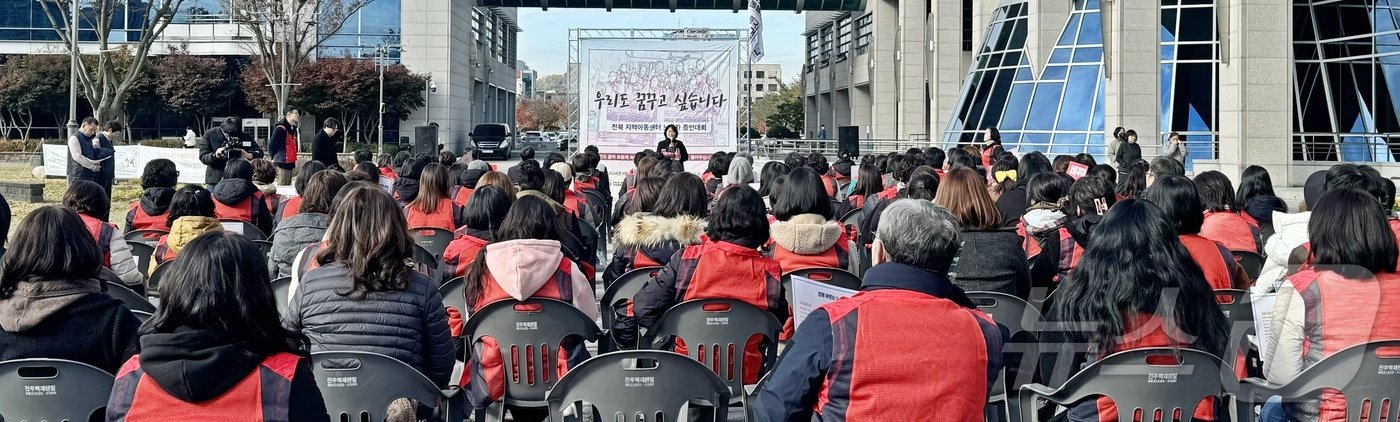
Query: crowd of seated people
[1136, 251]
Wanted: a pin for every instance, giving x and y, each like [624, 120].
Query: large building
[468, 51]
[1290, 85]
[766, 78]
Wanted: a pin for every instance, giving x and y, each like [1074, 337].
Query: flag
[755, 31]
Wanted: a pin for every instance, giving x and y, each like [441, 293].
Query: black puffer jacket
[408, 325]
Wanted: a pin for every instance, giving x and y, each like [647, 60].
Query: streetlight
[73, 70]
[381, 54]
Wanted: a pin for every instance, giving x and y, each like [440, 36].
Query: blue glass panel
[1197, 24]
[1079, 95]
[1096, 147]
[1091, 5]
[15, 14]
[1068, 143]
[1060, 55]
[1016, 105]
[1054, 73]
[1067, 37]
[1168, 29]
[1097, 123]
[1088, 55]
[1166, 93]
[1168, 52]
[1091, 31]
[1044, 106]
[1034, 142]
[1024, 73]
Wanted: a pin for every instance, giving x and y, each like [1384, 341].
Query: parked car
[492, 139]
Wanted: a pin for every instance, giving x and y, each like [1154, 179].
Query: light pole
[381, 55]
[73, 69]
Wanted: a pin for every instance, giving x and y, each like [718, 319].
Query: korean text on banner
[808, 295]
[130, 161]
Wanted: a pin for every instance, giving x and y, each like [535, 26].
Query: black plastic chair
[52, 390]
[1363, 373]
[833, 276]
[454, 294]
[1239, 311]
[1018, 317]
[1146, 380]
[282, 292]
[432, 239]
[427, 262]
[528, 337]
[852, 218]
[153, 282]
[133, 300]
[244, 228]
[1253, 263]
[265, 247]
[360, 386]
[142, 252]
[142, 316]
[621, 290]
[144, 236]
[716, 333]
[640, 385]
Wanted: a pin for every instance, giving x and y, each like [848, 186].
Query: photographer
[222, 143]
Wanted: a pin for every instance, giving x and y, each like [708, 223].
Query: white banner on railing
[130, 160]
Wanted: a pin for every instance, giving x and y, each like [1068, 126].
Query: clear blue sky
[544, 44]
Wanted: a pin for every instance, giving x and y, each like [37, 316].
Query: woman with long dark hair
[484, 215]
[728, 266]
[649, 239]
[1256, 195]
[360, 291]
[1043, 228]
[767, 177]
[433, 207]
[405, 187]
[215, 344]
[1136, 287]
[1177, 198]
[524, 262]
[868, 182]
[93, 205]
[1134, 180]
[1346, 297]
[1012, 203]
[1225, 221]
[671, 147]
[992, 259]
[52, 303]
[191, 214]
[716, 169]
[1003, 177]
[290, 206]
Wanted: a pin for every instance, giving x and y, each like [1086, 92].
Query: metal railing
[1345, 147]
[776, 149]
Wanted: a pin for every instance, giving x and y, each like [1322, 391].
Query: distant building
[766, 78]
[525, 80]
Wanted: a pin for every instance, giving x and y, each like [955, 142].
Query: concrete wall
[1256, 90]
[472, 87]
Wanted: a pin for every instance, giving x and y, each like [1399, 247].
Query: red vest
[263, 395]
[102, 233]
[290, 207]
[1237, 233]
[856, 201]
[1342, 313]
[584, 183]
[163, 252]
[462, 252]
[143, 221]
[461, 194]
[444, 218]
[881, 377]
[1213, 259]
[241, 211]
[706, 177]
[1395, 228]
[830, 185]
[571, 203]
[723, 270]
[560, 286]
[642, 260]
[273, 202]
[290, 144]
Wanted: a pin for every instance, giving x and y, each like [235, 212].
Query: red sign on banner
[1077, 170]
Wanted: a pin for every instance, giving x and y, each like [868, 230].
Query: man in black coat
[323, 146]
[220, 144]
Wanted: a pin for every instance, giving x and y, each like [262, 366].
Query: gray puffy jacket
[291, 236]
[409, 325]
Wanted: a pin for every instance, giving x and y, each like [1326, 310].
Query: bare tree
[286, 34]
[107, 85]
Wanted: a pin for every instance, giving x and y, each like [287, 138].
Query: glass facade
[1190, 75]
[1346, 80]
[25, 20]
[1059, 111]
[377, 23]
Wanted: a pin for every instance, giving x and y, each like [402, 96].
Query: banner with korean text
[632, 88]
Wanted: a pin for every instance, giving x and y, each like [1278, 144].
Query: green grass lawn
[123, 192]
